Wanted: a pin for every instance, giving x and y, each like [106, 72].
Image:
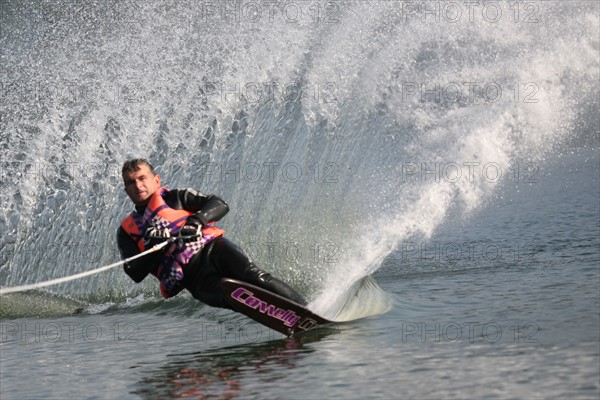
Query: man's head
[140, 180]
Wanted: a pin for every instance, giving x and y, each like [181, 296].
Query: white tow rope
[81, 274]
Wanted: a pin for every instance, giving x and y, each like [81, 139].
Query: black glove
[154, 236]
[192, 230]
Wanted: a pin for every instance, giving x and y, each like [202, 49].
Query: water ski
[269, 309]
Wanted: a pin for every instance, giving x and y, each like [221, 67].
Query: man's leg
[202, 280]
[232, 262]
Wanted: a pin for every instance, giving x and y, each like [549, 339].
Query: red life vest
[159, 215]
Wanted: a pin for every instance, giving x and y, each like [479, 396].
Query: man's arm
[137, 269]
[206, 208]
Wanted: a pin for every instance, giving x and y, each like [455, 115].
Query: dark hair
[134, 165]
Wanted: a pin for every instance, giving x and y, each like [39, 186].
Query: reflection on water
[228, 372]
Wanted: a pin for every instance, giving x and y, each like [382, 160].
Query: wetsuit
[220, 258]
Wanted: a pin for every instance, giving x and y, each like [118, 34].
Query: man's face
[141, 185]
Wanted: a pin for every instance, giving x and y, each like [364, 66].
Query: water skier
[199, 255]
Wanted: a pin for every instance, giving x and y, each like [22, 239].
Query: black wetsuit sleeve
[213, 210]
[139, 268]
[207, 209]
